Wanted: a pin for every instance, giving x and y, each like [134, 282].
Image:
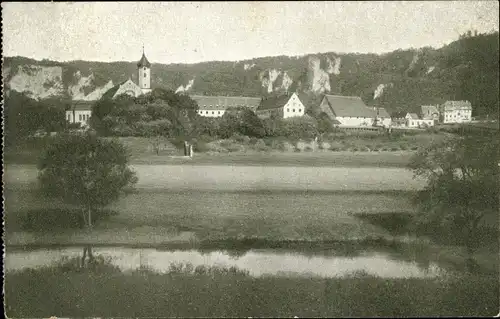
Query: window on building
[79, 117]
[288, 110]
[218, 112]
[300, 110]
[69, 117]
[293, 110]
[144, 68]
[212, 112]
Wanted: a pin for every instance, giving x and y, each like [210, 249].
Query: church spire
[143, 61]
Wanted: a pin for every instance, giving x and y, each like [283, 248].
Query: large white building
[216, 106]
[351, 111]
[81, 111]
[456, 112]
[284, 106]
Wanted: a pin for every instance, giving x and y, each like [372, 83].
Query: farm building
[412, 120]
[216, 106]
[398, 118]
[284, 106]
[430, 112]
[383, 118]
[350, 111]
[456, 112]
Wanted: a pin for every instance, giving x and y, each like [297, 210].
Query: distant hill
[402, 80]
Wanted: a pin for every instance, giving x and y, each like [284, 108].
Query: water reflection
[256, 262]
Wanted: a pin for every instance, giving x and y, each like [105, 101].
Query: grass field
[244, 178]
[66, 292]
[275, 158]
[152, 216]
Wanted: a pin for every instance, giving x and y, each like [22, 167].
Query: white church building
[80, 111]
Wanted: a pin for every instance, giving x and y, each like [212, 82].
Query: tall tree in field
[85, 171]
[463, 184]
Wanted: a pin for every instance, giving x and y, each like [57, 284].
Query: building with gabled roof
[411, 116]
[412, 120]
[350, 111]
[430, 112]
[383, 117]
[282, 106]
[456, 112]
[216, 106]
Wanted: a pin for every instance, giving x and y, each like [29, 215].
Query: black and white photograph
[251, 159]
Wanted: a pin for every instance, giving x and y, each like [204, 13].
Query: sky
[191, 32]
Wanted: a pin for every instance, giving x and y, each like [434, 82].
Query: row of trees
[165, 113]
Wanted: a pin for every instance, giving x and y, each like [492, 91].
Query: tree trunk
[87, 250]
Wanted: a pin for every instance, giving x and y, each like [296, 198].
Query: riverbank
[217, 292]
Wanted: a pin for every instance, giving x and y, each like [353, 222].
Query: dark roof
[429, 109]
[349, 106]
[383, 113]
[143, 62]
[224, 102]
[273, 102]
[398, 115]
[80, 105]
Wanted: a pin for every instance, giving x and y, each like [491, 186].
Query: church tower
[144, 68]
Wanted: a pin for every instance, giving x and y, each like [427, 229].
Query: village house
[398, 118]
[81, 111]
[349, 111]
[413, 121]
[216, 106]
[456, 112]
[284, 106]
[383, 118]
[430, 112]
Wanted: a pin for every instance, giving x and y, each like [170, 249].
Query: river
[257, 262]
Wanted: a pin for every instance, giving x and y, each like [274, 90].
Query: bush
[261, 146]
[403, 147]
[394, 149]
[200, 147]
[234, 147]
[241, 138]
[308, 148]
